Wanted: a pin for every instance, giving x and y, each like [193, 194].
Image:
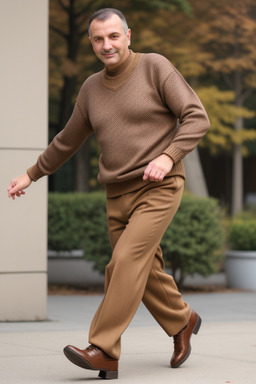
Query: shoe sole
[82, 363]
[195, 331]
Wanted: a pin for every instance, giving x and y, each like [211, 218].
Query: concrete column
[23, 136]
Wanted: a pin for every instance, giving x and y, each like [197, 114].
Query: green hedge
[78, 221]
[191, 244]
[242, 234]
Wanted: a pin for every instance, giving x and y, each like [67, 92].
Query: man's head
[110, 36]
[106, 13]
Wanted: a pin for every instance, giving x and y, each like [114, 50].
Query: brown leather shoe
[93, 358]
[182, 347]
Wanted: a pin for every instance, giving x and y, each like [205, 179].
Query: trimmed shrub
[191, 244]
[193, 241]
[242, 234]
[78, 221]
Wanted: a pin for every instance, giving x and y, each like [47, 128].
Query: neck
[116, 70]
[114, 79]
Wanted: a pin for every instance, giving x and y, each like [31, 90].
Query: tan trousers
[137, 222]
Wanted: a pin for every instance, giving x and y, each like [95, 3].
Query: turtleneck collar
[113, 80]
[120, 68]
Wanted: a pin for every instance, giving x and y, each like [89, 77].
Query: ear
[129, 33]
[91, 43]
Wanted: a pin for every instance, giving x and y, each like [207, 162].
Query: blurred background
[57, 234]
[212, 44]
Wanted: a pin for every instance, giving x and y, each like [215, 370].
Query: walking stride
[146, 119]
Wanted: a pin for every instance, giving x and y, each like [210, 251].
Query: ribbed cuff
[34, 172]
[175, 153]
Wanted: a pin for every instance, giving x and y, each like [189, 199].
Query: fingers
[17, 186]
[15, 191]
[153, 174]
[12, 193]
[158, 168]
[11, 185]
[12, 189]
[159, 176]
[19, 193]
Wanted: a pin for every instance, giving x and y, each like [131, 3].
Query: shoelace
[92, 347]
[177, 340]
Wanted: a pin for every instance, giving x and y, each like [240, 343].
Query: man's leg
[137, 223]
[165, 303]
[163, 299]
[147, 213]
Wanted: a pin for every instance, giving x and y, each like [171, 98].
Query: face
[109, 41]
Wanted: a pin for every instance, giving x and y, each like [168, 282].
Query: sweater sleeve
[193, 120]
[64, 145]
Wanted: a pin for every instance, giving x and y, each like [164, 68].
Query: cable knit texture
[141, 110]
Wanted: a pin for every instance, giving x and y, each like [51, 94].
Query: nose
[107, 44]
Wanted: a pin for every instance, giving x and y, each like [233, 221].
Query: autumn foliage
[212, 43]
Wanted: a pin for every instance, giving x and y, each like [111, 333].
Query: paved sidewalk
[224, 351]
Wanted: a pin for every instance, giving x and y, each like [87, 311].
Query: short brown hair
[104, 14]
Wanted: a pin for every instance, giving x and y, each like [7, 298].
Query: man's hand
[17, 186]
[158, 168]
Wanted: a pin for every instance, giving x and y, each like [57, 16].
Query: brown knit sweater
[133, 113]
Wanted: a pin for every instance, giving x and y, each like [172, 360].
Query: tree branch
[228, 81]
[82, 33]
[58, 31]
[63, 6]
[85, 9]
[81, 12]
[246, 94]
[81, 22]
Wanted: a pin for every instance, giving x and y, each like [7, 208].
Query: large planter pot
[241, 269]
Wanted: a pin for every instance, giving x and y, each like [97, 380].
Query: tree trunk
[237, 175]
[195, 180]
[82, 174]
[66, 104]
[81, 161]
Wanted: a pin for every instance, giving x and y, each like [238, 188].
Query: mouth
[108, 54]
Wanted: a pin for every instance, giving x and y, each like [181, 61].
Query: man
[133, 107]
